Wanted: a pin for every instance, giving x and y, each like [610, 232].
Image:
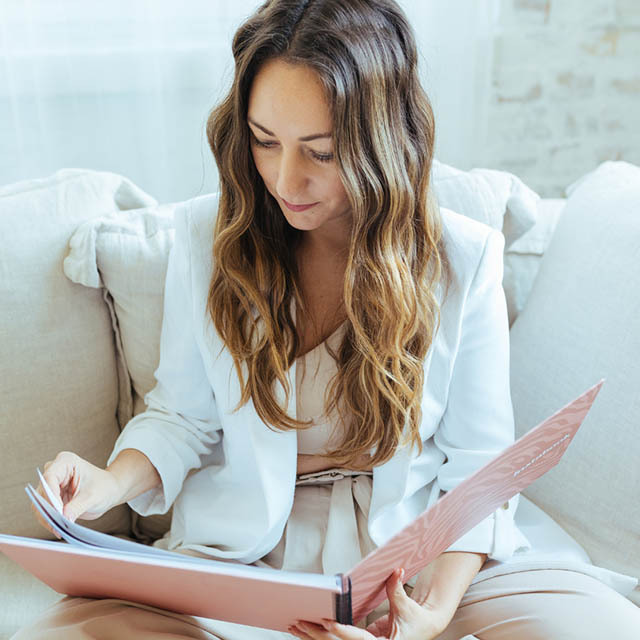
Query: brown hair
[364, 54]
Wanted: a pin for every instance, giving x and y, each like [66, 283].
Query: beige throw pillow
[502, 201]
[497, 198]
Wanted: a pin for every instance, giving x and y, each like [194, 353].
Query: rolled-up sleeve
[478, 421]
[180, 426]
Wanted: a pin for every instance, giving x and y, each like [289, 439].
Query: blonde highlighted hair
[364, 53]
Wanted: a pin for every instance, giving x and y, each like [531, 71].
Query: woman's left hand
[407, 620]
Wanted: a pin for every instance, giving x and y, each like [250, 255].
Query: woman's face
[291, 142]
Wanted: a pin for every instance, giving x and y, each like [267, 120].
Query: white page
[83, 536]
[88, 539]
[55, 501]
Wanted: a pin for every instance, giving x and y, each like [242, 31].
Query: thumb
[398, 598]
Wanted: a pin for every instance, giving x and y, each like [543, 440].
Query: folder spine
[344, 613]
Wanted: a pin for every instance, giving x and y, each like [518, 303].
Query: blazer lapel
[261, 461]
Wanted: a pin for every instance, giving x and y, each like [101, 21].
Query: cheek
[340, 193]
[262, 167]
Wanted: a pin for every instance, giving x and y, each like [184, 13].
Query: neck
[331, 241]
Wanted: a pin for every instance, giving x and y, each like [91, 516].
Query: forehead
[289, 99]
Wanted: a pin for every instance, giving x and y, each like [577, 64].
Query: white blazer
[231, 479]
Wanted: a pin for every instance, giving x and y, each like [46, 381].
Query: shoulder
[469, 245]
[194, 221]
[195, 218]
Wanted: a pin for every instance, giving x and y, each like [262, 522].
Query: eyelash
[320, 157]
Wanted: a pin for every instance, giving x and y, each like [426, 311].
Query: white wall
[565, 94]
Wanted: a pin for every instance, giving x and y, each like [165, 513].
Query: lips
[298, 207]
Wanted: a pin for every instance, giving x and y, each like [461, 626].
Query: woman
[325, 314]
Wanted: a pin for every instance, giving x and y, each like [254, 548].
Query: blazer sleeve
[478, 420]
[180, 426]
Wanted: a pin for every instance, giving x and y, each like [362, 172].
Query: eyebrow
[314, 136]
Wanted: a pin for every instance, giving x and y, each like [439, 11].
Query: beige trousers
[532, 605]
[545, 604]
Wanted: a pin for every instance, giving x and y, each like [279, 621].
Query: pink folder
[274, 599]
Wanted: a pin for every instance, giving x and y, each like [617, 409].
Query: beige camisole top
[314, 371]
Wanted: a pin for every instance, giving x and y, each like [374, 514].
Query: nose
[292, 178]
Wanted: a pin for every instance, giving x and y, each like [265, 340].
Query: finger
[398, 598]
[308, 631]
[39, 517]
[380, 627]
[43, 522]
[345, 631]
[57, 478]
[298, 633]
[43, 494]
[40, 490]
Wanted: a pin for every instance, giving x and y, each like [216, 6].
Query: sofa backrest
[59, 374]
[581, 323]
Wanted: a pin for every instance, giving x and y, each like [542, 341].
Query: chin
[297, 221]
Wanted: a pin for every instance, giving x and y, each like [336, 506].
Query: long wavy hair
[364, 53]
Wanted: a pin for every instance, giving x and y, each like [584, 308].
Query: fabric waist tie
[346, 539]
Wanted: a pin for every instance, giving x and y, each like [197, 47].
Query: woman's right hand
[86, 491]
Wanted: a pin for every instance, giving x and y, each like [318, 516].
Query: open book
[97, 565]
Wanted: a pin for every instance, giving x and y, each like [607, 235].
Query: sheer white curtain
[455, 42]
[125, 85]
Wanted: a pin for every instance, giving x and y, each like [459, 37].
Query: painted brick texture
[565, 92]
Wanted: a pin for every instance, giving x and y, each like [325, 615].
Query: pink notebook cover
[275, 599]
[469, 503]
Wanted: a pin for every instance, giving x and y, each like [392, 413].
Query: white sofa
[81, 287]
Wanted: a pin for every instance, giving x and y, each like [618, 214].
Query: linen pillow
[522, 259]
[127, 254]
[60, 382]
[581, 324]
[502, 201]
[497, 198]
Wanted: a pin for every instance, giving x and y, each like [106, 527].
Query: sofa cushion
[57, 360]
[581, 324]
[22, 597]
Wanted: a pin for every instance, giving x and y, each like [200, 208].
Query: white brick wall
[565, 92]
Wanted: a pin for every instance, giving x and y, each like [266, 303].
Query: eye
[322, 157]
[261, 143]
